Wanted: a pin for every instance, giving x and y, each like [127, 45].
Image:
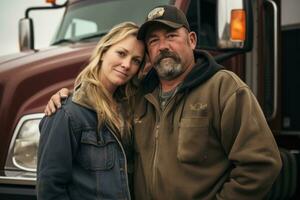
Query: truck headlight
[24, 145]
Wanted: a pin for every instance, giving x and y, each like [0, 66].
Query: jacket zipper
[156, 146]
[124, 154]
[155, 159]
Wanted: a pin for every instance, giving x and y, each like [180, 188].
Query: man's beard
[168, 65]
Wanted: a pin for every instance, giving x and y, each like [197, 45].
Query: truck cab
[261, 56]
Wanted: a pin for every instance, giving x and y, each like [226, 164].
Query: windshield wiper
[80, 39]
[63, 41]
[92, 36]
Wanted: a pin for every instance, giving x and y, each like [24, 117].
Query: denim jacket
[78, 161]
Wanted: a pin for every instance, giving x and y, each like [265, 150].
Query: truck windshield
[92, 19]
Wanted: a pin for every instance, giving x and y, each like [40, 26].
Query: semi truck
[244, 35]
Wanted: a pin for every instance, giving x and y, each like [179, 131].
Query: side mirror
[222, 25]
[26, 34]
[234, 24]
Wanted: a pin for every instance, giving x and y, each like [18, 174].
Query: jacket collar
[82, 98]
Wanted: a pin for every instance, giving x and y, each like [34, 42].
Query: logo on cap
[155, 13]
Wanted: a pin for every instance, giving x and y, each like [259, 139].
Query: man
[199, 131]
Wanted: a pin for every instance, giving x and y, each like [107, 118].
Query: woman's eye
[137, 62]
[121, 53]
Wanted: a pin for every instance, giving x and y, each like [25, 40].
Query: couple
[192, 129]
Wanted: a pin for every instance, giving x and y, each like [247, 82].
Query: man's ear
[193, 39]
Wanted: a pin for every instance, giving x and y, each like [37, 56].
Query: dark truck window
[202, 19]
[87, 19]
[268, 61]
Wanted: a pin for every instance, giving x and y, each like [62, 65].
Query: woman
[81, 153]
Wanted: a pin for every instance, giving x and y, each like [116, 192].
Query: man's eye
[171, 35]
[152, 41]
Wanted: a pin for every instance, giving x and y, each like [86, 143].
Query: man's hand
[55, 101]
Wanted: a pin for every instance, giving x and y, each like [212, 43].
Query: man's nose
[163, 45]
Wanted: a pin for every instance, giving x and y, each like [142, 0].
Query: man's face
[170, 50]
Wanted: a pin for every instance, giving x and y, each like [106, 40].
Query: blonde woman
[82, 151]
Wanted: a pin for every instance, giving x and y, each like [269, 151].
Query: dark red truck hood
[27, 80]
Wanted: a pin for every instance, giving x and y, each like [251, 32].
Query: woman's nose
[126, 63]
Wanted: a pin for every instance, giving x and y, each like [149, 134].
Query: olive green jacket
[210, 142]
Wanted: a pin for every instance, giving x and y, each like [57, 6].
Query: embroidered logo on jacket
[199, 107]
[137, 120]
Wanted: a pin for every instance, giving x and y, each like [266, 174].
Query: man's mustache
[166, 54]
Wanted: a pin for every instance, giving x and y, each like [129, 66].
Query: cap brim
[143, 29]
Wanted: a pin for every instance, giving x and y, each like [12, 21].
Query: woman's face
[121, 62]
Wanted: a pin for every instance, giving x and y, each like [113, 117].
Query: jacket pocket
[193, 139]
[96, 153]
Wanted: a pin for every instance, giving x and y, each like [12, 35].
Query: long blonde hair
[103, 101]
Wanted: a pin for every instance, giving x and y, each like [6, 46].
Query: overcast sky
[45, 23]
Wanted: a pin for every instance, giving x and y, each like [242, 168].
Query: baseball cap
[168, 15]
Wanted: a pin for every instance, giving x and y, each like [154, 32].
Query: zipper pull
[156, 132]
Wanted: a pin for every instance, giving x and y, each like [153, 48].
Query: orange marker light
[238, 25]
[51, 1]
